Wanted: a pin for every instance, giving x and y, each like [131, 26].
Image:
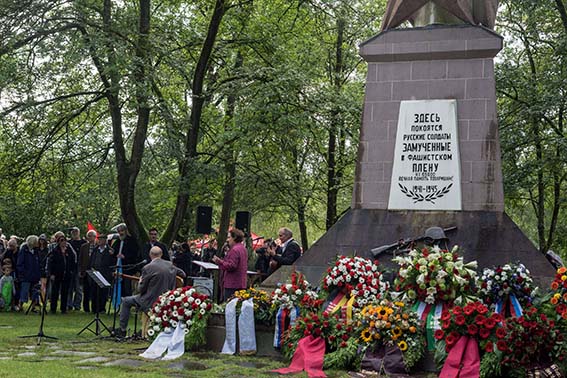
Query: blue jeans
[25, 291]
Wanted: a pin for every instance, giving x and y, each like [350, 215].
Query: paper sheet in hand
[206, 265]
[211, 266]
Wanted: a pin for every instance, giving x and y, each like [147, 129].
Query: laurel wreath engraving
[431, 197]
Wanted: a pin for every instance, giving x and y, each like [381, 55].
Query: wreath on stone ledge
[431, 197]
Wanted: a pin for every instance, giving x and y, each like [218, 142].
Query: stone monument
[429, 153]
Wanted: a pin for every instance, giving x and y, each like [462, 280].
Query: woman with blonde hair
[28, 271]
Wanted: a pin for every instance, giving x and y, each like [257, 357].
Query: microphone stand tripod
[97, 321]
[116, 284]
[40, 333]
[115, 294]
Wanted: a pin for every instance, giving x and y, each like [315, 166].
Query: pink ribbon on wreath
[308, 356]
[463, 360]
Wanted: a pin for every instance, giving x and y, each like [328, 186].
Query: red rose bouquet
[531, 340]
[340, 339]
[473, 320]
[463, 331]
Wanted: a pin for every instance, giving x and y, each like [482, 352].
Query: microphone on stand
[143, 262]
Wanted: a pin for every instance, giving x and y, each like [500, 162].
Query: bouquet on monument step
[507, 288]
[357, 278]
[473, 320]
[558, 299]
[297, 293]
[432, 275]
[262, 304]
[473, 339]
[392, 324]
[184, 306]
[341, 343]
[532, 342]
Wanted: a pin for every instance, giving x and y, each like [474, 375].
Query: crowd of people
[56, 268]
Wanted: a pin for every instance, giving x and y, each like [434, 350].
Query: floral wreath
[184, 307]
[432, 274]
[357, 277]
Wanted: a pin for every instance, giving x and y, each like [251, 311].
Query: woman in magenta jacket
[234, 265]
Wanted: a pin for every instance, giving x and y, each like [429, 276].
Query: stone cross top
[425, 12]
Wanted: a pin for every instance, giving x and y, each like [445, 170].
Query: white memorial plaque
[427, 172]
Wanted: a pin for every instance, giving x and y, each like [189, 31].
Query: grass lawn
[74, 355]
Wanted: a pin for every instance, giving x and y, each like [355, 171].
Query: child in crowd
[7, 289]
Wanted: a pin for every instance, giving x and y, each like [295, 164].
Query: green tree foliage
[531, 83]
[99, 116]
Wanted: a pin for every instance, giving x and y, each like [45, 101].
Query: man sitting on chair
[157, 278]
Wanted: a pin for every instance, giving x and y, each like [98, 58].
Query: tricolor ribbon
[429, 314]
[337, 303]
[348, 309]
[340, 302]
[510, 305]
[281, 318]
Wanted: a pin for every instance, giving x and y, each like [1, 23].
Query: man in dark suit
[127, 249]
[85, 253]
[101, 259]
[287, 252]
[157, 278]
[153, 241]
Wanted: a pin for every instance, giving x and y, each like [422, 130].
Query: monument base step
[488, 237]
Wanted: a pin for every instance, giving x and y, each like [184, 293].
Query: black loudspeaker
[242, 221]
[204, 219]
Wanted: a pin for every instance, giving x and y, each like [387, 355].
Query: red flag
[91, 227]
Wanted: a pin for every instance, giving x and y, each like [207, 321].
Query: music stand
[40, 333]
[214, 268]
[101, 283]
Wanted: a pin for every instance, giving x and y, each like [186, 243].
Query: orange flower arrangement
[559, 293]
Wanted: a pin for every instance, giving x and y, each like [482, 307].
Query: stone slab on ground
[187, 365]
[74, 353]
[93, 360]
[125, 362]
[252, 364]
[4, 358]
[26, 354]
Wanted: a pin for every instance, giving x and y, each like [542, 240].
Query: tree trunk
[127, 169]
[562, 13]
[332, 172]
[230, 164]
[535, 122]
[198, 101]
[302, 226]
